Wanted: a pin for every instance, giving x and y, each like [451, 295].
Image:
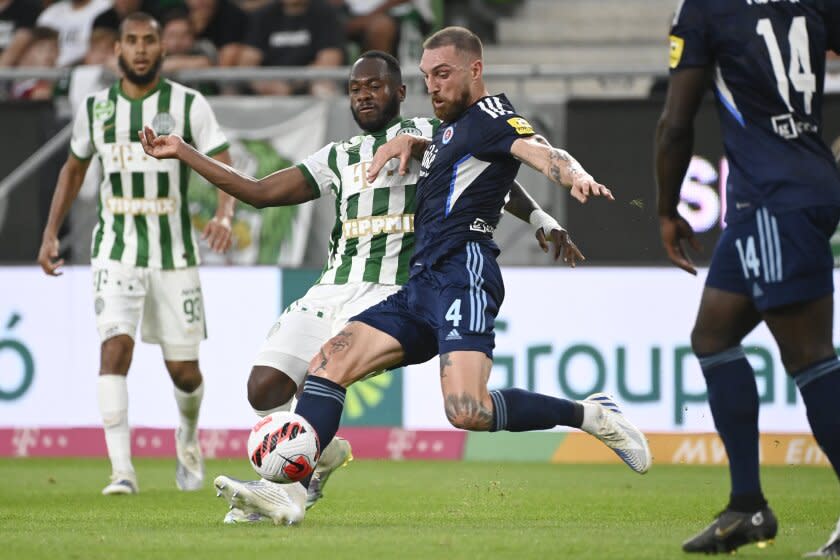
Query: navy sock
[517, 410]
[819, 386]
[321, 404]
[733, 398]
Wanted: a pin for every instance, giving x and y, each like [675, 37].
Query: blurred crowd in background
[208, 33]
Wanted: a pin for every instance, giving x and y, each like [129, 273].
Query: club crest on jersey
[410, 130]
[163, 124]
[103, 110]
[448, 134]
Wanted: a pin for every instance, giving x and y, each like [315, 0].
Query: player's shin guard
[517, 410]
[820, 389]
[112, 393]
[733, 399]
[321, 403]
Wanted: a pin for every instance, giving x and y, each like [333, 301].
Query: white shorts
[169, 301]
[309, 322]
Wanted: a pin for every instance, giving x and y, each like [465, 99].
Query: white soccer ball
[283, 447]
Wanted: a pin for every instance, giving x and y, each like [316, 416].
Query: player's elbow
[669, 130]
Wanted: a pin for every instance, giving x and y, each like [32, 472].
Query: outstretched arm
[217, 232]
[673, 147]
[526, 209]
[559, 166]
[283, 188]
[67, 189]
[404, 147]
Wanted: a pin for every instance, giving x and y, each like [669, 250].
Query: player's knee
[185, 375]
[705, 342]
[469, 422]
[798, 357]
[116, 355]
[269, 388]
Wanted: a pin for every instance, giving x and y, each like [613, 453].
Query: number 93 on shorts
[168, 302]
[777, 259]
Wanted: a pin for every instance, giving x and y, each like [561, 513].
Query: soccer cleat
[336, 455]
[617, 433]
[831, 549]
[732, 529]
[189, 472]
[282, 503]
[236, 516]
[121, 484]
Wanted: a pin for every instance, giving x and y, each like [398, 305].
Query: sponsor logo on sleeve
[521, 126]
[676, 50]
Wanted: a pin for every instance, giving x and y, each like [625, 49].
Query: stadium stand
[598, 36]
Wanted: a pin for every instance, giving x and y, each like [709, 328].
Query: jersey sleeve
[499, 127]
[207, 135]
[316, 169]
[689, 39]
[81, 143]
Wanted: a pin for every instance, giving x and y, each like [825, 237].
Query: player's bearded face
[448, 106]
[139, 52]
[374, 114]
[140, 77]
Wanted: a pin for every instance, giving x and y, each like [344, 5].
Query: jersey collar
[151, 92]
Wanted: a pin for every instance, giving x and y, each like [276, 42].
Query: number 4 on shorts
[454, 313]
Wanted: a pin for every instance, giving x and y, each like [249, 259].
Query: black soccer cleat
[732, 529]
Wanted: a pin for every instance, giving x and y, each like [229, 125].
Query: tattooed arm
[559, 166]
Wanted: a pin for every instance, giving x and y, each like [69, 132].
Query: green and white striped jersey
[144, 219]
[373, 236]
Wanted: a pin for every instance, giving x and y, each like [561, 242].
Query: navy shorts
[777, 259]
[449, 306]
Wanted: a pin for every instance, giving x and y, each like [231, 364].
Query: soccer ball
[283, 447]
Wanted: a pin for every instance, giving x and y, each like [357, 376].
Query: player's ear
[401, 93]
[476, 69]
[118, 46]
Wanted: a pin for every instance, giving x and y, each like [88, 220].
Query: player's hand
[400, 147]
[160, 147]
[217, 234]
[563, 245]
[674, 231]
[584, 186]
[48, 256]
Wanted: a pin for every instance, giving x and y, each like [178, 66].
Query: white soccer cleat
[189, 472]
[282, 503]
[236, 516]
[336, 455]
[831, 549]
[617, 433]
[124, 483]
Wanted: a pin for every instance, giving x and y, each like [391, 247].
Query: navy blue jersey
[465, 178]
[768, 59]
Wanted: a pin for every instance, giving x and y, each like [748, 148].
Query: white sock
[281, 408]
[189, 405]
[591, 417]
[112, 392]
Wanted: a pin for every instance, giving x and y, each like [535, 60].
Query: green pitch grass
[51, 509]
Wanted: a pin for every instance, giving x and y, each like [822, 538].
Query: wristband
[541, 219]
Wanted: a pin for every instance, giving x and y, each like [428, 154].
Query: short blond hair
[461, 38]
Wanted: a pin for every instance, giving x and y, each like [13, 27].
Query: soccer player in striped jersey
[144, 254]
[773, 262]
[371, 245]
